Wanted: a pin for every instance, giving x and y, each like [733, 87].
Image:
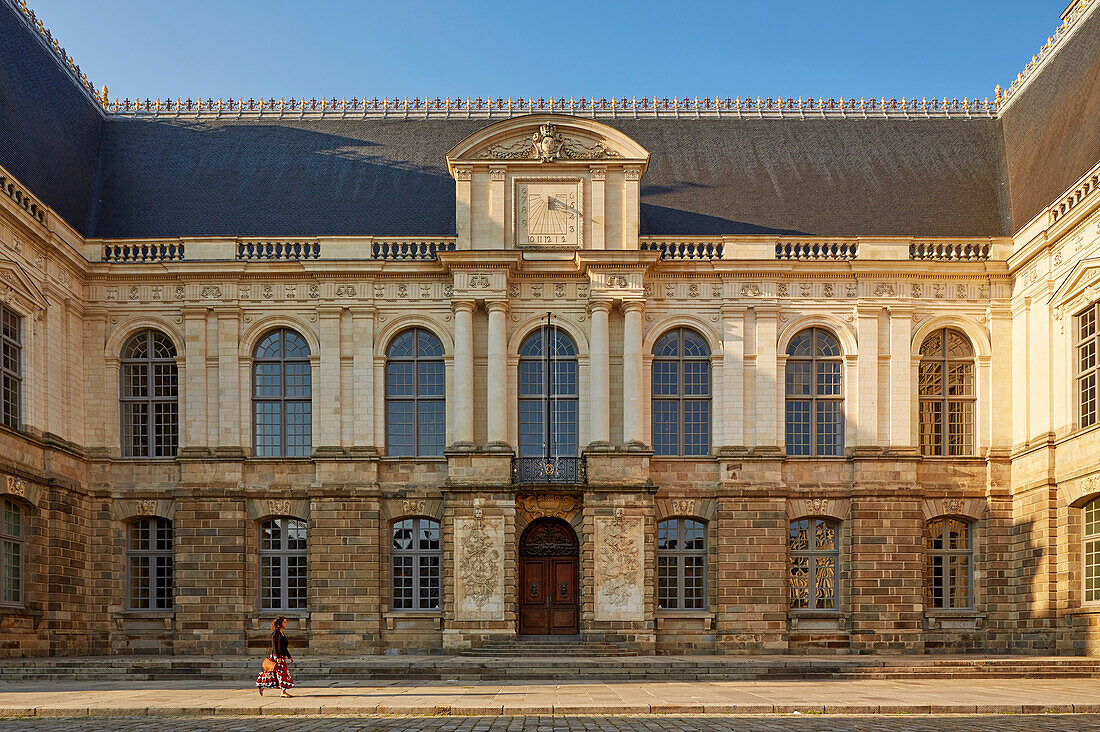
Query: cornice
[1071, 18]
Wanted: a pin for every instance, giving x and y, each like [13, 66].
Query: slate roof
[125, 177]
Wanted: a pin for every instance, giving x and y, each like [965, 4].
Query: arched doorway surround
[549, 557]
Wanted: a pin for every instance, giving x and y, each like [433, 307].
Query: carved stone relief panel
[531, 506]
[479, 567]
[620, 570]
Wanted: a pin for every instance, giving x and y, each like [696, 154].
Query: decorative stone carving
[684, 506]
[547, 145]
[17, 486]
[112, 293]
[983, 291]
[885, 289]
[750, 290]
[852, 290]
[513, 290]
[479, 282]
[147, 507]
[917, 291]
[180, 292]
[818, 505]
[413, 508]
[479, 576]
[693, 290]
[619, 568]
[953, 506]
[960, 292]
[670, 290]
[463, 174]
[211, 292]
[278, 507]
[403, 291]
[559, 289]
[345, 291]
[291, 292]
[633, 174]
[716, 290]
[314, 292]
[828, 289]
[804, 289]
[781, 289]
[617, 281]
[496, 174]
[267, 292]
[135, 293]
[538, 505]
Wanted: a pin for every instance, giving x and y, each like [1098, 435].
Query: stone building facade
[703, 376]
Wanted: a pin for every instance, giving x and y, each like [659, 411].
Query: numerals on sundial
[548, 214]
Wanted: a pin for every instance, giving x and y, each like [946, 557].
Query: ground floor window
[414, 564]
[11, 546]
[681, 564]
[283, 564]
[950, 564]
[814, 554]
[1092, 551]
[149, 562]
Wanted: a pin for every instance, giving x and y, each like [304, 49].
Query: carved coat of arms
[547, 142]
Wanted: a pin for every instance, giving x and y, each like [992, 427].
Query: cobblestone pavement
[997, 723]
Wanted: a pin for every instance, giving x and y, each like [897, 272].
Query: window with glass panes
[946, 394]
[681, 564]
[1092, 551]
[1088, 366]
[814, 394]
[681, 394]
[415, 407]
[11, 545]
[548, 391]
[414, 562]
[281, 396]
[950, 559]
[814, 551]
[148, 396]
[149, 563]
[11, 366]
[283, 564]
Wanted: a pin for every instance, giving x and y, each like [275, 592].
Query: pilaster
[599, 379]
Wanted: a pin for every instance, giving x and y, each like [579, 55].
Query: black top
[279, 645]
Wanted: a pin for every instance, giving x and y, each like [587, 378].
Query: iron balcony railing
[555, 470]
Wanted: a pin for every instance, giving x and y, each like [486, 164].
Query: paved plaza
[484, 699]
[999, 723]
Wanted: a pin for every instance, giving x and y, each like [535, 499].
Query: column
[632, 372]
[326, 415]
[463, 401]
[229, 413]
[995, 405]
[496, 402]
[596, 217]
[363, 370]
[730, 408]
[193, 390]
[901, 379]
[769, 392]
[599, 379]
[867, 380]
[497, 213]
[463, 223]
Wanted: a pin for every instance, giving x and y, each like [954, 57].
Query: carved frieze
[537, 505]
[547, 145]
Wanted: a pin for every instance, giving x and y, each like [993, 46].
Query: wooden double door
[548, 576]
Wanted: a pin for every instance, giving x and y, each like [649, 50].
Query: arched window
[1092, 551]
[11, 366]
[1088, 365]
[946, 391]
[681, 394]
[415, 408]
[149, 565]
[950, 564]
[148, 395]
[681, 564]
[11, 544]
[548, 396]
[815, 394]
[414, 561]
[283, 564]
[281, 394]
[814, 554]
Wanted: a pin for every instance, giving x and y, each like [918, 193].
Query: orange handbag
[269, 665]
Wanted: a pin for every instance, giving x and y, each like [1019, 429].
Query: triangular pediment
[548, 140]
[1085, 275]
[17, 287]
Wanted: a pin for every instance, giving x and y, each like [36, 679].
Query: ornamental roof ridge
[1070, 21]
[591, 107]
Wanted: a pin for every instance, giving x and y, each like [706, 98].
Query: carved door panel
[563, 601]
[534, 614]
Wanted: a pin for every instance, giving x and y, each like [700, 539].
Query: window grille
[415, 560]
[543, 404]
[150, 565]
[415, 406]
[814, 550]
[283, 564]
[1092, 551]
[11, 544]
[681, 394]
[281, 396]
[950, 564]
[946, 394]
[11, 367]
[1088, 366]
[681, 564]
[815, 394]
[148, 396]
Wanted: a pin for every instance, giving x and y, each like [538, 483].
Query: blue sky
[253, 48]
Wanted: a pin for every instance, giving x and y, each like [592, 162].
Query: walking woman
[275, 674]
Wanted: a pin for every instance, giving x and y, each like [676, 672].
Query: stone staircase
[544, 646]
[526, 665]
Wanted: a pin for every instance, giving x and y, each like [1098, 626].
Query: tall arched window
[950, 555]
[681, 394]
[681, 564]
[149, 565]
[414, 562]
[548, 396]
[281, 395]
[148, 396]
[1088, 364]
[946, 392]
[415, 408]
[1092, 551]
[814, 552]
[11, 552]
[815, 394]
[283, 564]
[11, 366]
